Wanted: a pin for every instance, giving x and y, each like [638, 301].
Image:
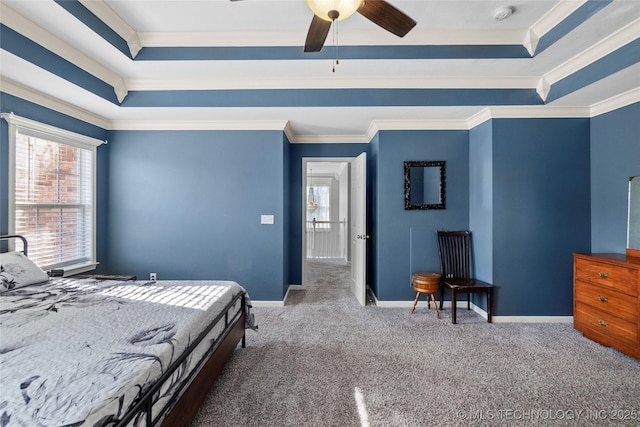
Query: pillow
[16, 270]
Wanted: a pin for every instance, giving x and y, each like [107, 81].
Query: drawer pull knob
[603, 299]
[603, 275]
[603, 323]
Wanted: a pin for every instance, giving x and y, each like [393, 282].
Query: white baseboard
[483, 313]
[289, 289]
[267, 303]
[532, 319]
[407, 304]
[446, 304]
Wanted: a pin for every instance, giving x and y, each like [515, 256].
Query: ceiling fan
[379, 12]
[325, 12]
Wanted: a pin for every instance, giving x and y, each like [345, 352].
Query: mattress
[81, 352]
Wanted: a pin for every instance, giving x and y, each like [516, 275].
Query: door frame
[303, 205]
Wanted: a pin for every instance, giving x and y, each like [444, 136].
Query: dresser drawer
[608, 300]
[616, 328]
[615, 277]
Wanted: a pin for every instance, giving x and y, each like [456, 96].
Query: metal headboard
[17, 236]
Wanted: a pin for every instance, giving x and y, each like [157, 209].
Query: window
[321, 196]
[52, 193]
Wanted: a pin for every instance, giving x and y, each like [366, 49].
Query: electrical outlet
[152, 276]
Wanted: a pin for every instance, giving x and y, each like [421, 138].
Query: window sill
[79, 268]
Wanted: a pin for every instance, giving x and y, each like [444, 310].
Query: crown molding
[375, 127]
[543, 88]
[486, 113]
[527, 112]
[220, 38]
[107, 15]
[135, 45]
[52, 131]
[531, 42]
[479, 118]
[50, 42]
[328, 139]
[278, 125]
[607, 45]
[539, 112]
[622, 100]
[558, 13]
[427, 124]
[356, 38]
[12, 88]
[121, 90]
[288, 131]
[427, 82]
[295, 138]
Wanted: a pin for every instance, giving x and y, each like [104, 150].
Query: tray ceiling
[239, 65]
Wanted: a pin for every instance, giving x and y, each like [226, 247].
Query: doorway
[326, 211]
[329, 244]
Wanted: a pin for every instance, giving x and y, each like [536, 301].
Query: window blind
[53, 200]
[52, 185]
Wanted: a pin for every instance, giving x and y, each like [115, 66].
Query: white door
[359, 227]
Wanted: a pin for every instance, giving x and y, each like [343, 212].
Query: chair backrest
[454, 248]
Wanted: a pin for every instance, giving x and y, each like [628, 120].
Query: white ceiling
[284, 23]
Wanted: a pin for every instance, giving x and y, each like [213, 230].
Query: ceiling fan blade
[317, 34]
[387, 16]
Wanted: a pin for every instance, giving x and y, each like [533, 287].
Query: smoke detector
[502, 13]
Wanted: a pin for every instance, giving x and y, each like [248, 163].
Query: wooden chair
[455, 264]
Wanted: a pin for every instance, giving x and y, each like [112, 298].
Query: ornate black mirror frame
[408, 205]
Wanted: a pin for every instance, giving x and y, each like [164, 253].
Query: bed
[85, 352]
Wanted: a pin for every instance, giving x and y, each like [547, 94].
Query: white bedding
[79, 352]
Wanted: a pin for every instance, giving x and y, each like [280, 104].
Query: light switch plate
[266, 219]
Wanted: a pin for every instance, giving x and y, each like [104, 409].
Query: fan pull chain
[335, 44]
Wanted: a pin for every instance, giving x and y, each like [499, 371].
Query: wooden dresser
[606, 300]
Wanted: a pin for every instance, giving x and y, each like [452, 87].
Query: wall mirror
[633, 226]
[424, 185]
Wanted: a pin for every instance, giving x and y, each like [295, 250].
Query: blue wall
[541, 216]
[481, 199]
[406, 240]
[533, 191]
[615, 156]
[187, 205]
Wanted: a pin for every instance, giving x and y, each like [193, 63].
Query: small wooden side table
[426, 282]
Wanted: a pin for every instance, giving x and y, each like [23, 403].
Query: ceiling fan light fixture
[324, 8]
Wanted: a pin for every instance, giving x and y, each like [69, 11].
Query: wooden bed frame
[187, 406]
[186, 401]
[184, 405]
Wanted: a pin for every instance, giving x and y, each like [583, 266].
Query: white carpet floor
[323, 360]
